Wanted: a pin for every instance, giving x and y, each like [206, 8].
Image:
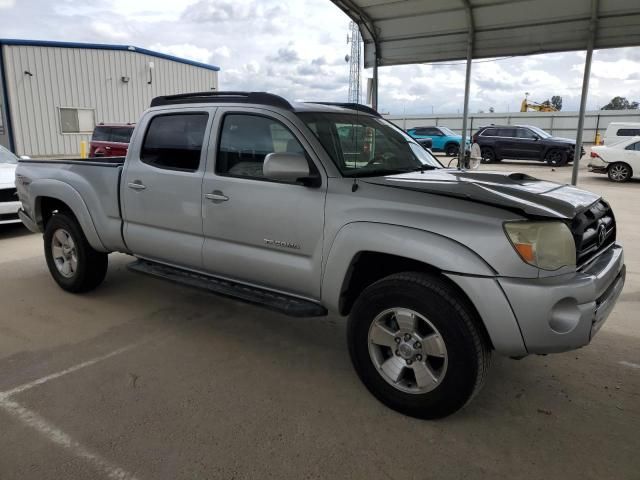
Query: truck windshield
[363, 145]
[6, 156]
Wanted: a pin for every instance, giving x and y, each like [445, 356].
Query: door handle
[137, 185]
[107, 148]
[216, 196]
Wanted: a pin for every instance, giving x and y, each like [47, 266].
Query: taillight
[595, 155]
[474, 139]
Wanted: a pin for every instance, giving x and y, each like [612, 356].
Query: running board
[286, 304]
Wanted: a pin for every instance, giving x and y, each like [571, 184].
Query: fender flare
[430, 248]
[69, 196]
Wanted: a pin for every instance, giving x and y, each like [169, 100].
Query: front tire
[73, 263]
[619, 172]
[416, 345]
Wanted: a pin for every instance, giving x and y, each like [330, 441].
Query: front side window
[541, 133]
[447, 131]
[77, 120]
[245, 141]
[174, 141]
[362, 145]
[525, 133]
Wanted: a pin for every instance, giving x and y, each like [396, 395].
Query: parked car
[620, 131]
[442, 139]
[523, 142]
[251, 196]
[111, 140]
[620, 161]
[9, 203]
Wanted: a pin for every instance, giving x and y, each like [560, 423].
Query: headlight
[546, 245]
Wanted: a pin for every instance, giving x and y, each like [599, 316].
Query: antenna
[353, 59]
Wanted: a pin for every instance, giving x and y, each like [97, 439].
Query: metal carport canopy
[400, 32]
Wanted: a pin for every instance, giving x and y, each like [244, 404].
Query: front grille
[8, 195]
[593, 231]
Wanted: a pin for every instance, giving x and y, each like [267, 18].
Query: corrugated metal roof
[102, 46]
[422, 31]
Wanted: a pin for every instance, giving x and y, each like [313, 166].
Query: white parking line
[61, 373]
[629, 364]
[53, 433]
[57, 436]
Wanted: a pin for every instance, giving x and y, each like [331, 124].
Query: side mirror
[536, 137]
[287, 167]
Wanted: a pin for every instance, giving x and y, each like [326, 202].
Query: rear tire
[73, 263]
[452, 149]
[431, 371]
[556, 158]
[619, 172]
[488, 155]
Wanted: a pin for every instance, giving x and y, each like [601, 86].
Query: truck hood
[512, 191]
[7, 175]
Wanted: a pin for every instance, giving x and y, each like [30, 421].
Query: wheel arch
[364, 252]
[51, 196]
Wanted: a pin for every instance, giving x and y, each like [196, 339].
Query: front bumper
[563, 313]
[9, 212]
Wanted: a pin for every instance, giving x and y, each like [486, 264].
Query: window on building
[174, 141]
[77, 120]
[246, 140]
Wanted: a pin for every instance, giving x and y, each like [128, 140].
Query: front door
[256, 230]
[161, 188]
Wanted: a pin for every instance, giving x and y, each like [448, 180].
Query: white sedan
[9, 204]
[620, 161]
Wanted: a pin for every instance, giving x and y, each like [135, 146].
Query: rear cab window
[101, 134]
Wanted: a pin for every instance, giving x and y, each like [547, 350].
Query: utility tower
[355, 88]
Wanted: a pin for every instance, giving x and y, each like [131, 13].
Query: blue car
[443, 139]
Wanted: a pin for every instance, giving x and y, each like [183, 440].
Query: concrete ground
[145, 379]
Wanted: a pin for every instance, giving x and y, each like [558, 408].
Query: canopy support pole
[374, 95]
[467, 84]
[593, 28]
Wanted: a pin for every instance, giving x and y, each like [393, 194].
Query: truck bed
[93, 185]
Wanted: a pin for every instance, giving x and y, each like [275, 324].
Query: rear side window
[507, 132]
[174, 141]
[101, 134]
[246, 140]
[490, 132]
[628, 132]
[121, 134]
[634, 146]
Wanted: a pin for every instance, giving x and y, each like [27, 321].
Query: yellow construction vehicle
[529, 106]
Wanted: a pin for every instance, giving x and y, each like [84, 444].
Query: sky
[297, 48]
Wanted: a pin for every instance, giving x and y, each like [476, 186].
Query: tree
[621, 103]
[556, 101]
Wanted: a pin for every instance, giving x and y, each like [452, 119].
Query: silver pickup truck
[312, 208]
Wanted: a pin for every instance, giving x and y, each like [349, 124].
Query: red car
[111, 140]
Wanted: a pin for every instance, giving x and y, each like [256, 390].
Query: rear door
[257, 230]
[507, 144]
[161, 187]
